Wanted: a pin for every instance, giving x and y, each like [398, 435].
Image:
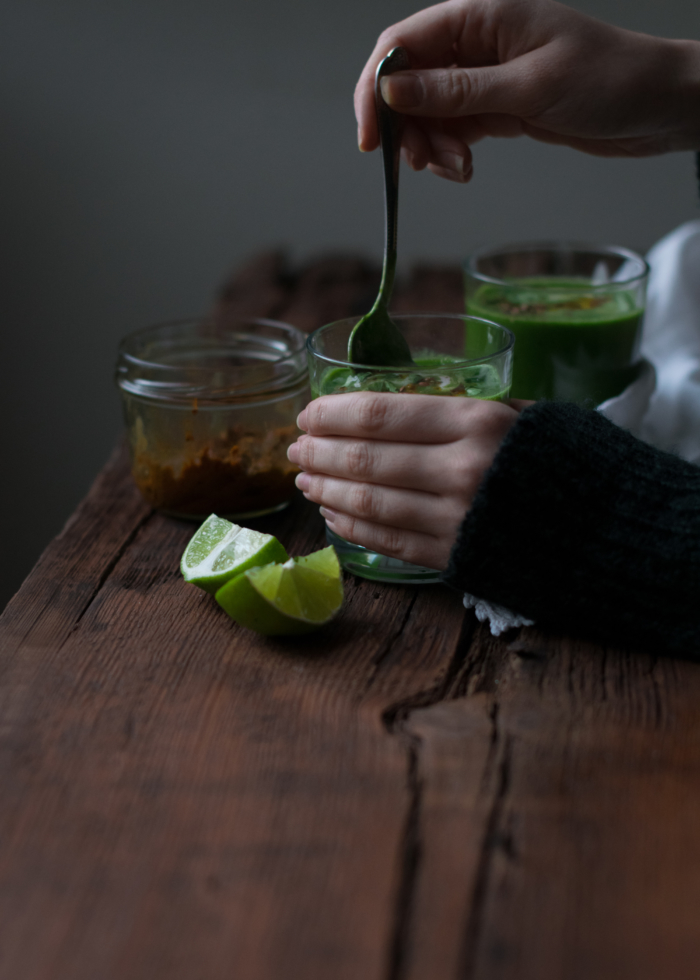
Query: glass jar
[576, 311]
[210, 409]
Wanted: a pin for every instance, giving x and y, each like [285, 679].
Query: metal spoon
[376, 339]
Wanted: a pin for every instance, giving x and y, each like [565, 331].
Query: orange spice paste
[248, 474]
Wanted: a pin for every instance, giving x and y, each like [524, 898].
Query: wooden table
[399, 797]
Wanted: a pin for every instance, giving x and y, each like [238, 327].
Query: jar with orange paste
[210, 408]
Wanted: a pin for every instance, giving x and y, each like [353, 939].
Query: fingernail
[402, 91]
[359, 142]
[329, 516]
[293, 453]
[452, 161]
[450, 174]
[301, 420]
[303, 481]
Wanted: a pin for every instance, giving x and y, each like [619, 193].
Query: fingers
[412, 510]
[426, 142]
[412, 546]
[512, 88]
[415, 146]
[451, 154]
[448, 174]
[443, 145]
[416, 419]
[429, 36]
[386, 464]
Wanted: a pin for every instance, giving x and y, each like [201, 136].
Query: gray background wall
[149, 145]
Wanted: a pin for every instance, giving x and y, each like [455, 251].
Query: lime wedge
[219, 550]
[324, 561]
[296, 597]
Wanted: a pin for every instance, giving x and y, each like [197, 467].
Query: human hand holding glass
[395, 473]
[456, 357]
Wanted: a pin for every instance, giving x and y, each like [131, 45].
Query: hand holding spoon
[376, 339]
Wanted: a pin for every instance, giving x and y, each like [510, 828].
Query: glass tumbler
[576, 311]
[210, 409]
[455, 355]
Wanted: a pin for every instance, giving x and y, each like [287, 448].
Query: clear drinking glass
[210, 407]
[455, 355]
[576, 311]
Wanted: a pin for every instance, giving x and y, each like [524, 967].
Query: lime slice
[219, 550]
[296, 597]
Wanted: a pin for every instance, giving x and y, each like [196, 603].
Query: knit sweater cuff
[585, 529]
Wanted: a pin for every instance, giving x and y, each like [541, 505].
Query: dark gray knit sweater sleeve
[587, 530]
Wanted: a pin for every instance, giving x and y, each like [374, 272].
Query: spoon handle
[391, 125]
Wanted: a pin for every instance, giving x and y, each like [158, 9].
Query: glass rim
[558, 246]
[453, 365]
[154, 378]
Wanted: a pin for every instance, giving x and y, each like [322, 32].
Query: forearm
[586, 530]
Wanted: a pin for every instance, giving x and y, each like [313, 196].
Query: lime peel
[221, 550]
[297, 596]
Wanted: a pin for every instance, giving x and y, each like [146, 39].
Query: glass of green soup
[455, 356]
[575, 310]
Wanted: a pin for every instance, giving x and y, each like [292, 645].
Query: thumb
[451, 92]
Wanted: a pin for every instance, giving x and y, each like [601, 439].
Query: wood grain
[559, 803]
[400, 796]
[182, 797]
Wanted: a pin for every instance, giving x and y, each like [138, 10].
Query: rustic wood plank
[610, 780]
[73, 567]
[399, 796]
[456, 767]
[558, 813]
[182, 795]
[182, 798]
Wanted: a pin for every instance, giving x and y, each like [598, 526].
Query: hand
[536, 68]
[397, 473]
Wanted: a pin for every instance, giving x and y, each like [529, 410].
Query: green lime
[219, 550]
[296, 597]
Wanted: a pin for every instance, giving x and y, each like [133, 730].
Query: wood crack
[394, 719]
[495, 838]
[382, 655]
[445, 690]
[411, 854]
[482, 665]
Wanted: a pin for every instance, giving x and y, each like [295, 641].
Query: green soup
[434, 374]
[572, 342]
